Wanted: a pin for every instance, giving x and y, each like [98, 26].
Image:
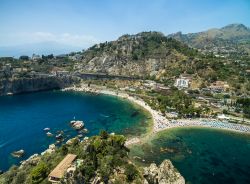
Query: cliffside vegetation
[104, 159]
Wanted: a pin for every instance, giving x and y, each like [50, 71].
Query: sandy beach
[160, 122]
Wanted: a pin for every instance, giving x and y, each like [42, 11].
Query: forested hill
[152, 55]
[143, 54]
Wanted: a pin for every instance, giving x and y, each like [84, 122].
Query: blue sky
[81, 23]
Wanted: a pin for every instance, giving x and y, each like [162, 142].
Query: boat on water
[18, 154]
[46, 129]
[49, 134]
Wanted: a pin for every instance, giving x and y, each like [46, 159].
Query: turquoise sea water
[203, 156]
[23, 118]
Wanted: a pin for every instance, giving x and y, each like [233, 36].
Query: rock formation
[164, 174]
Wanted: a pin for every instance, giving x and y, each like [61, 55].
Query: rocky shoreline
[165, 173]
[160, 122]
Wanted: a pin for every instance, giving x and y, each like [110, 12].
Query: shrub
[131, 172]
[20, 177]
[11, 174]
[39, 173]
[104, 134]
[64, 150]
[88, 171]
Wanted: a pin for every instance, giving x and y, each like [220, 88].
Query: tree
[39, 173]
[50, 56]
[106, 165]
[104, 134]
[64, 149]
[88, 171]
[20, 177]
[246, 111]
[130, 172]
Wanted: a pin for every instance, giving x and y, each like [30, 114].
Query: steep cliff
[22, 85]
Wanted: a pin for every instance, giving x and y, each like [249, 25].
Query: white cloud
[22, 38]
[63, 38]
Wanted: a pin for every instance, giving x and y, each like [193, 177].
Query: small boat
[18, 154]
[49, 134]
[46, 129]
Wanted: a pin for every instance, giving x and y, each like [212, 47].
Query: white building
[182, 82]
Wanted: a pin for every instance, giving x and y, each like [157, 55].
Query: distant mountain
[231, 39]
[38, 48]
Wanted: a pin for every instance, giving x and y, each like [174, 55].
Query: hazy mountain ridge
[44, 48]
[231, 39]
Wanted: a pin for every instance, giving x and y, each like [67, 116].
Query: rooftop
[60, 169]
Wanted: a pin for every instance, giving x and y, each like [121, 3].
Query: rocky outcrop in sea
[164, 174]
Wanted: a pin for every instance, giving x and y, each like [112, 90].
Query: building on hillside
[35, 57]
[219, 86]
[162, 87]
[76, 57]
[66, 165]
[183, 81]
[150, 84]
[61, 56]
[7, 69]
[59, 72]
[222, 117]
[2, 74]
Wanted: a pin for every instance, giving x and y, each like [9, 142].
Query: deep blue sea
[202, 155]
[23, 118]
